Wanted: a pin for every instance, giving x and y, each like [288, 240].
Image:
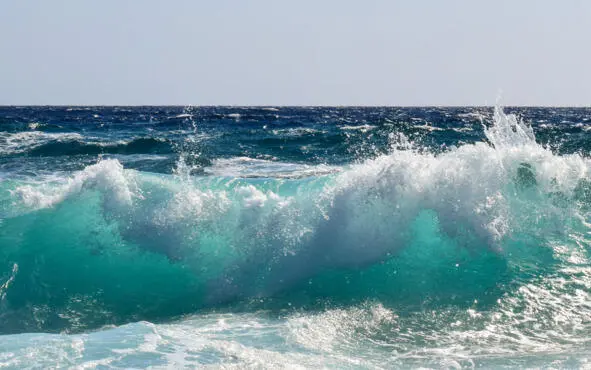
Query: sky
[273, 52]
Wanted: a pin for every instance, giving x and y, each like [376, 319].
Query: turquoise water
[409, 248]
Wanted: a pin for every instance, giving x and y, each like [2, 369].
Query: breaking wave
[410, 229]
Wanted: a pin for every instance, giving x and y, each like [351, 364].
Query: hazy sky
[273, 52]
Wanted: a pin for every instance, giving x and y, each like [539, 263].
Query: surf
[413, 228]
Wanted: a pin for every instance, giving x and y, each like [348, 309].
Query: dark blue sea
[295, 237]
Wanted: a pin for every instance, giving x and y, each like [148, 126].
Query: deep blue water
[152, 138]
[345, 237]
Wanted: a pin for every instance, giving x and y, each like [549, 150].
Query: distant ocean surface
[284, 237]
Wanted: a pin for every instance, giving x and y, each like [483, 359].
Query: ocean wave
[410, 229]
[21, 142]
[41, 144]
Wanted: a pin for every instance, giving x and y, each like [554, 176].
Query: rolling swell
[69, 146]
[411, 229]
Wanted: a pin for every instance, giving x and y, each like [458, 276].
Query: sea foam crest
[20, 142]
[480, 189]
[107, 176]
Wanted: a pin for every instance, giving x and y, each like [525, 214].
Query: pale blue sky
[272, 52]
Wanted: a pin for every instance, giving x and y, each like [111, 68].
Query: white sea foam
[106, 176]
[298, 131]
[183, 115]
[20, 142]
[465, 187]
[361, 128]
[252, 167]
[366, 336]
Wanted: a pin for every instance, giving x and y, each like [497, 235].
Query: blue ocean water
[284, 237]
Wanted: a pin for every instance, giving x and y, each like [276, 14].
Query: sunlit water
[294, 237]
